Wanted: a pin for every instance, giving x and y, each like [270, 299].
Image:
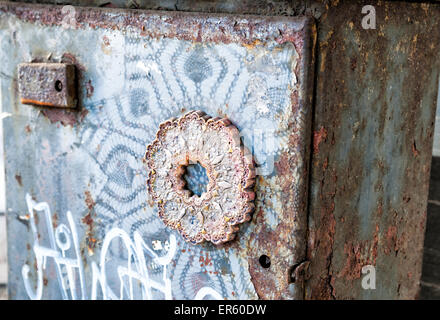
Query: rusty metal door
[90, 217]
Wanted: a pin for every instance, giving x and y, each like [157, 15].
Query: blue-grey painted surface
[79, 221]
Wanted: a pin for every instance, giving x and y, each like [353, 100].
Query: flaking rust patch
[229, 198]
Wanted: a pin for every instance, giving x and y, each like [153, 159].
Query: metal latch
[47, 84]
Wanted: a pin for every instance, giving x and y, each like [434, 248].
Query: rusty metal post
[376, 96]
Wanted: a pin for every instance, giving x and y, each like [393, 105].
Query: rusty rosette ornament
[215, 144]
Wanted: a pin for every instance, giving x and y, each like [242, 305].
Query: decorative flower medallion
[215, 144]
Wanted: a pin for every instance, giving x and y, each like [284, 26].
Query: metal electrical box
[249, 150]
[81, 222]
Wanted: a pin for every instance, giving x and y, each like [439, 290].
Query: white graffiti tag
[70, 271]
[57, 249]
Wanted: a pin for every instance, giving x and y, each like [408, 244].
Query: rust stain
[283, 165]
[105, 46]
[71, 59]
[87, 219]
[90, 240]
[321, 241]
[89, 200]
[359, 255]
[390, 240]
[19, 180]
[325, 164]
[414, 149]
[318, 136]
[89, 88]
[65, 117]
[205, 261]
[353, 63]
[252, 45]
[106, 41]
[38, 103]
[55, 220]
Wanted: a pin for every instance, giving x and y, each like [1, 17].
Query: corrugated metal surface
[133, 73]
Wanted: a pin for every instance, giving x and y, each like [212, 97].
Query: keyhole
[264, 261]
[58, 85]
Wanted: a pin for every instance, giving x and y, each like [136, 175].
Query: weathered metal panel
[133, 74]
[373, 130]
[357, 59]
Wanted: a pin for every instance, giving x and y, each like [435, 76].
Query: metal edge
[194, 26]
